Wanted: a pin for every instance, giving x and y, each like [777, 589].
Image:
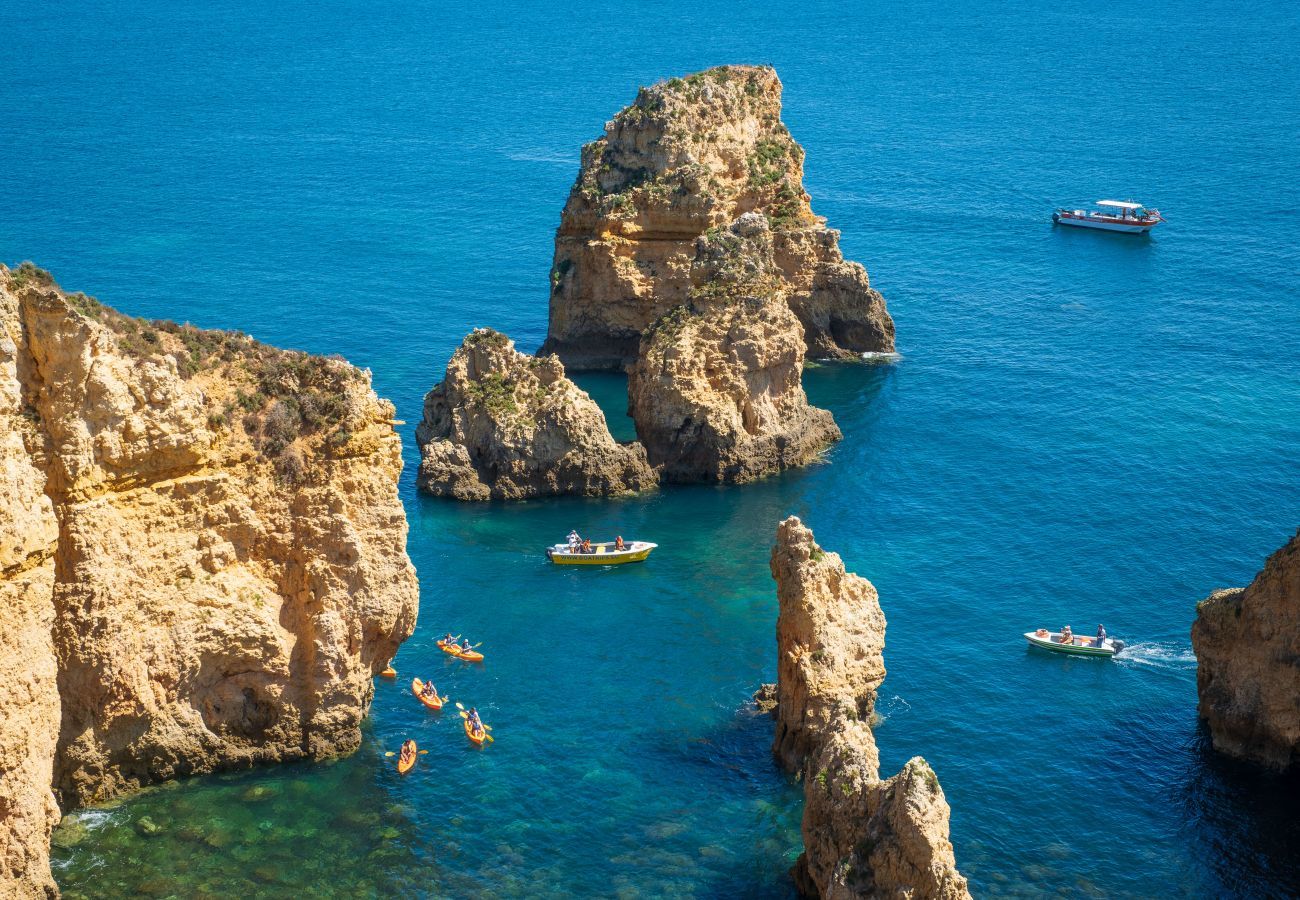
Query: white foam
[874, 356]
[1158, 655]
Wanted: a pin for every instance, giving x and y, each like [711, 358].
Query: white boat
[1079, 646]
[1114, 215]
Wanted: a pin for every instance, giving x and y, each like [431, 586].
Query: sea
[1079, 427]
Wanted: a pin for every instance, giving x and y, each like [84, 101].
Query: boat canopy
[1118, 204]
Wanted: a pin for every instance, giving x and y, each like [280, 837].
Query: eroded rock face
[689, 155]
[1247, 643]
[503, 425]
[206, 562]
[716, 391]
[863, 837]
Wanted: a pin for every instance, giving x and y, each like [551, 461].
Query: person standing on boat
[1101, 635]
[574, 540]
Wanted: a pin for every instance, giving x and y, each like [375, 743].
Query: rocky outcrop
[506, 426]
[202, 557]
[716, 391]
[863, 837]
[1247, 643]
[689, 155]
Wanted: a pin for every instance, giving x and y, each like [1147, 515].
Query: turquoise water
[1082, 426]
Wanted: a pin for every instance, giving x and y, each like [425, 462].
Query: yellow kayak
[476, 738]
[390, 672]
[404, 766]
[435, 702]
[467, 655]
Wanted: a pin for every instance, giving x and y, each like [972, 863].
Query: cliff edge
[863, 837]
[202, 559]
[503, 425]
[1247, 644]
[688, 155]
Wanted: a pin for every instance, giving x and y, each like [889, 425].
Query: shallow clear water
[1082, 427]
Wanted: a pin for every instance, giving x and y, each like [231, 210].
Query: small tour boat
[1114, 215]
[1079, 646]
[600, 554]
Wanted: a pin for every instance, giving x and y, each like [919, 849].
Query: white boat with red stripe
[1113, 215]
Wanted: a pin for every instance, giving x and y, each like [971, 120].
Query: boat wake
[891, 707]
[1158, 655]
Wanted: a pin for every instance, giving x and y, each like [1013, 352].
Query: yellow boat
[600, 555]
[404, 765]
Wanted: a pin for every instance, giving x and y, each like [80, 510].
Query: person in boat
[1042, 633]
[574, 541]
[586, 546]
[465, 646]
[448, 640]
[408, 751]
[1067, 636]
[1101, 636]
[475, 724]
[429, 691]
[618, 543]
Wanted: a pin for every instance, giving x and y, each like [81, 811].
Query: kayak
[435, 702]
[1080, 646]
[404, 767]
[600, 555]
[477, 739]
[390, 672]
[467, 655]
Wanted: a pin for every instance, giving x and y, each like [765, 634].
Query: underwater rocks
[503, 425]
[716, 390]
[202, 558]
[863, 837]
[1247, 644]
[688, 155]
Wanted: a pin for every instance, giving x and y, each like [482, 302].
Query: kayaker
[448, 640]
[1101, 635]
[475, 725]
[618, 543]
[408, 751]
[1067, 636]
[428, 690]
[465, 646]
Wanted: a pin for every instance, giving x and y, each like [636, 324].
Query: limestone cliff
[716, 391]
[689, 155]
[202, 558]
[503, 425]
[863, 837]
[1247, 643]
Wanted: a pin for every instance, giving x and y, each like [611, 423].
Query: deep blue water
[1082, 427]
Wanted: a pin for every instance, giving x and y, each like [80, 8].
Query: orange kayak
[476, 738]
[405, 766]
[467, 655]
[390, 672]
[435, 702]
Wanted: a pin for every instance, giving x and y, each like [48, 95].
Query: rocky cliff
[1247, 643]
[716, 392]
[503, 425]
[688, 155]
[202, 557]
[863, 837]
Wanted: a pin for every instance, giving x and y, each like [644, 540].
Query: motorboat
[603, 554]
[1111, 215]
[1078, 645]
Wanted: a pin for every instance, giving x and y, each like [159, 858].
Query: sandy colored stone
[688, 155]
[210, 560]
[716, 392]
[1247, 644]
[863, 837]
[503, 425]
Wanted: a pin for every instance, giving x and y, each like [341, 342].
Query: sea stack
[1247, 643]
[688, 155]
[716, 391]
[863, 837]
[202, 557]
[507, 426]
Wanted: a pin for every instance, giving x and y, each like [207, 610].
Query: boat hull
[601, 555]
[1106, 650]
[1104, 225]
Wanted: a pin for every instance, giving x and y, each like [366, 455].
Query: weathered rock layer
[503, 425]
[689, 155]
[202, 557]
[1247, 643]
[863, 837]
[716, 391]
